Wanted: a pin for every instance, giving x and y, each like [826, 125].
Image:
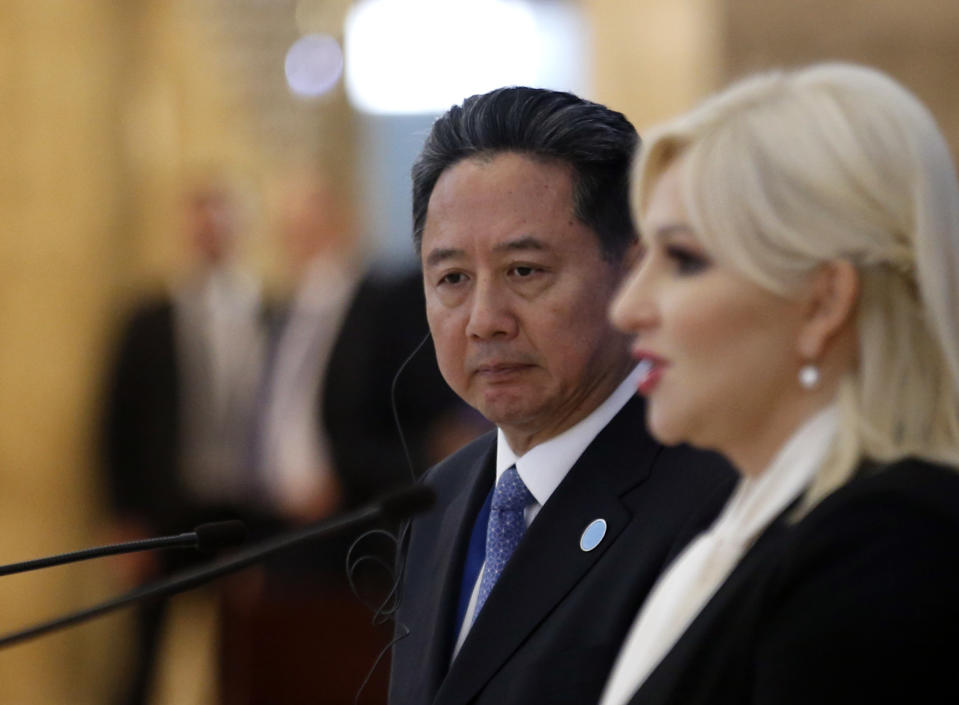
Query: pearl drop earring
[808, 376]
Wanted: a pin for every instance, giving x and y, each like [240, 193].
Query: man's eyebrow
[442, 254]
[527, 242]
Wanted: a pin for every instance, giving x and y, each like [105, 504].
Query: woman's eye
[687, 262]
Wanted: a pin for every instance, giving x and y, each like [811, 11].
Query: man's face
[516, 296]
[210, 225]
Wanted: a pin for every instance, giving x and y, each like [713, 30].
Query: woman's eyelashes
[686, 260]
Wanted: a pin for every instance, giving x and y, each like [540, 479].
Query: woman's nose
[633, 308]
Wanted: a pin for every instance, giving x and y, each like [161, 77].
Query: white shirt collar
[222, 289]
[545, 465]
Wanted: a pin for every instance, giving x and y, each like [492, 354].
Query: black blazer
[856, 603]
[551, 627]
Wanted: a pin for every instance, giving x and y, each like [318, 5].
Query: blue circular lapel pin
[592, 535]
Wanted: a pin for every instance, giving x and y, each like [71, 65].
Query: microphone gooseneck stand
[206, 538]
[394, 507]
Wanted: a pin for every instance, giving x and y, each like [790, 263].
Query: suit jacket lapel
[549, 563]
[432, 609]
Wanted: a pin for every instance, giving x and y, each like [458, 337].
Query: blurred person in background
[179, 404]
[292, 631]
[321, 258]
[326, 442]
[795, 309]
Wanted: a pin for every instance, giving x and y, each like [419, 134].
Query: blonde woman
[796, 310]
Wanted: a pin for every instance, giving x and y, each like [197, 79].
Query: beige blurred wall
[59, 196]
[104, 107]
[917, 42]
[654, 58]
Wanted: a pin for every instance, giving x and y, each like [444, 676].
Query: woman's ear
[831, 304]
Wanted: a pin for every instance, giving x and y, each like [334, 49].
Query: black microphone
[393, 507]
[206, 538]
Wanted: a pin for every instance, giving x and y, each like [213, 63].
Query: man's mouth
[494, 370]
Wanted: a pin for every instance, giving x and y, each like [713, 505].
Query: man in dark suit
[548, 532]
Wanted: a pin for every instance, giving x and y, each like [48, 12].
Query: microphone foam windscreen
[219, 534]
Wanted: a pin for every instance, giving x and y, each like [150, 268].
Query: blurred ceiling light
[421, 56]
[313, 65]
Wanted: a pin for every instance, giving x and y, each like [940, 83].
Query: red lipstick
[651, 368]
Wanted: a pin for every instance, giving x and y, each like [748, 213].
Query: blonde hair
[784, 171]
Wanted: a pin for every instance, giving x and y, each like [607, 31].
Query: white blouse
[694, 576]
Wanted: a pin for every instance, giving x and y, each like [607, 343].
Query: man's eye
[523, 271]
[452, 278]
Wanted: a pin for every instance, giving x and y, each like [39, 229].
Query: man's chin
[508, 412]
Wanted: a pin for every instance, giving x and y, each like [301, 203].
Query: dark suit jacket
[142, 425]
[383, 325]
[855, 603]
[141, 421]
[551, 627]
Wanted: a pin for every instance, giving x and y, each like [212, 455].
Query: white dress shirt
[219, 343]
[295, 450]
[544, 466]
[692, 579]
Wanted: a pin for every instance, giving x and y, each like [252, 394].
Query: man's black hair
[595, 142]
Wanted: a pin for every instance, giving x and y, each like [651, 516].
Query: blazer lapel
[719, 615]
[549, 563]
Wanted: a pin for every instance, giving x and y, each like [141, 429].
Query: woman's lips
[651, 369]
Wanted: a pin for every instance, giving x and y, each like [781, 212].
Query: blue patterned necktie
[506, 527]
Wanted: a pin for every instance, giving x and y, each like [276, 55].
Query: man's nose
[491, 315]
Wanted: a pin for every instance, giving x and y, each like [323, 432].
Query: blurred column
[105, 106]
[59, 192]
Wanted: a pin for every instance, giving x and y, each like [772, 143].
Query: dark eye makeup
[687, 261]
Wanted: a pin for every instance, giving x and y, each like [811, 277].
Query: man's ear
[831, 303]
